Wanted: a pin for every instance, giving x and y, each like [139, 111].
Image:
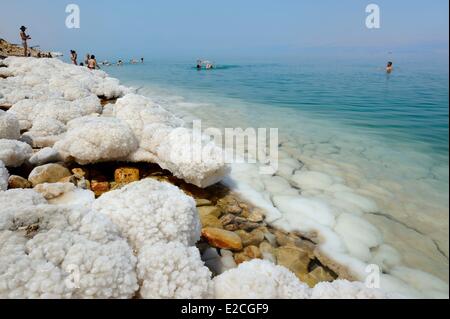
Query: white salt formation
[97, 139]
[148, 212]
[173, 271]
[14, 153]
[49, 97]
[49, 251]
[4, 176]
[9, 126]
[163, 141]
[260, 279]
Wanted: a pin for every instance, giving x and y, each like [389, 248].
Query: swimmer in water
[389, 67]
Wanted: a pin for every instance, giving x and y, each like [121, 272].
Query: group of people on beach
[89, 61]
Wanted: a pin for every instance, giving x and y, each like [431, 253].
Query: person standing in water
[389, 67]
[74, 57]
[92, 63]
[86, 59]
[25, 39]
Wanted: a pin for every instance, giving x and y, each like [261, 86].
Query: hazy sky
[181, 28]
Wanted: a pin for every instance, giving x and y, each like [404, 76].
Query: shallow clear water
[383, 136]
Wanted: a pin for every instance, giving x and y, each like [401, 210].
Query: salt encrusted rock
[45, 156]
[149, 212]
[52, 112]
[259, 279]
[50, 251]
[139, 111]
[293, 258]
[173, 271]
[209, 210]
[343, 289]
[45, 132]
[97, 139]
[163, 141]
[220, 238]
[52, 190]
[51, 78]
[14, 153]
[197, 160]
[49, 173]
[15, 181]
[3, 177]
[9, 126]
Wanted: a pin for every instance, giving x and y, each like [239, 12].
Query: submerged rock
[255, 237]
[292, 258]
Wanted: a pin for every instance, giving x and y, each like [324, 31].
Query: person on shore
[25, 39]
[74, 57]
[86, 59]
[389, 67]
[92, 63]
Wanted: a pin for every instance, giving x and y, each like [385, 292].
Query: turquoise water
[377, 136]
[410, 105]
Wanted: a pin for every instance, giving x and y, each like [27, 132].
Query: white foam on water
[364, 200]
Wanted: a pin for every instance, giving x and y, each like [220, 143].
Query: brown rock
[220, 238]
[252, 252]
[202, 202]
[233, 209]
[319, 274]
[15, 181]
[293, 258]
[266, 247]
[246, 225]
[256, 216]
[114, 186]
[254, 238]
[245, 213]
[284, 239]
[69, 179]
[227, 219]
[99, 188]
[210, 210]
[240, 258]
[80, 172]
[231, 227]
[49, 173]
[267, 250]
[210, 221]
[126, 175]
